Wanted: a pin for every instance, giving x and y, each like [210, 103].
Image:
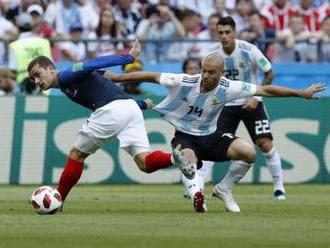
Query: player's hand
[149, 103]
[251, 104]
[135, 49]
[313, 89]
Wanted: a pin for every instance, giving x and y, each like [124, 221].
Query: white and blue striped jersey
[244, 64]
[193, 112]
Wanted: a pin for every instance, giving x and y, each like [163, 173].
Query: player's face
[211, 73]
[226, 36]
[43, 77]
[192, 68]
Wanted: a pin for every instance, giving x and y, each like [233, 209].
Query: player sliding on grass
[114, 114]
[193, 105]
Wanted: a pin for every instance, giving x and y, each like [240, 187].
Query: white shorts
[122, 119]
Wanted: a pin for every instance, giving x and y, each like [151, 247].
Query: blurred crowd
[170, 30]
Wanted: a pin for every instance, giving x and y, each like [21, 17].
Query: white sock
[236, 172]
[273, 161]
[205, 173]
[191, 185]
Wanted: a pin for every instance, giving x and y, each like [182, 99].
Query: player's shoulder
[244, 45]
[216, 48]
[224, 82]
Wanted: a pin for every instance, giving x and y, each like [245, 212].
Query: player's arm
[82, 69]
[268, 77]
[134, 77]
[278, 91]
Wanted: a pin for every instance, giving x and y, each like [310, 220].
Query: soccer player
[243, 61]
[86, 85]
[193, 105]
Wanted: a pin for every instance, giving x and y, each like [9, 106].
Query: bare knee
[265, 144]
[250, 155]
[140, 160]
[78, 155]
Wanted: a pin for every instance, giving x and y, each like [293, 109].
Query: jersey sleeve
[82, 69]
[238, 89]
[261, 60]
[170, 79]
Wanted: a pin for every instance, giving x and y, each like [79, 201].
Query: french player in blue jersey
[115, 114]
[193, 105]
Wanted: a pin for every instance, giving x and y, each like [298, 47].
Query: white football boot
[227, 199]
[279, 195]
[179, 159]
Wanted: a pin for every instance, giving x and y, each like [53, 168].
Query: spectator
[204, 8]
[132, 88]
[191, 66]
[296, 47]
[323, 36]
[74, 50]
[220, 8]
[129, 19]
[107, 29]
[277, 15]
[256, 34]
[88, 17]
[324, 11]
[26, 47]
[61, 14]
[243, 8]
[261, 4]
[8, 31]
[8, 82]
[40, 27]
[161, 24]
[310, 14]
[178, 51]
[16, 9]
[208, 34]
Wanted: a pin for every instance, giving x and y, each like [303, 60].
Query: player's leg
[191, 147]
[83, 147]
[227, 123]
[257, 123]
[134, 139]
[243, 155]
[273, 161]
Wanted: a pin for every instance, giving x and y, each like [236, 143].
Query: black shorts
[256, 121]
[211, 147]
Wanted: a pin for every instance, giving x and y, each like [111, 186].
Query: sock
[273, 161]
[157, 160]
[205, 173]
[236, 172]
[191, 185]
[69, 177]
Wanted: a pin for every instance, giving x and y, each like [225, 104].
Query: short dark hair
[42, 61]
[256, 12]
[227, 20]
[189, 60]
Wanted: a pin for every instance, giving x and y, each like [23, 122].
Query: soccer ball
[46, 200]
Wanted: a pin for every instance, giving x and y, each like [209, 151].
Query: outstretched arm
[277, 91]
[81, 69]
[134, 77]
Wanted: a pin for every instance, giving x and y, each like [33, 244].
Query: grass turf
[158, 216]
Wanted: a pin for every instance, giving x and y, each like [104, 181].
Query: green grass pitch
[158, 216]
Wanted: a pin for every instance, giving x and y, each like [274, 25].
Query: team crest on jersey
[241, 64]
[215, 101]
